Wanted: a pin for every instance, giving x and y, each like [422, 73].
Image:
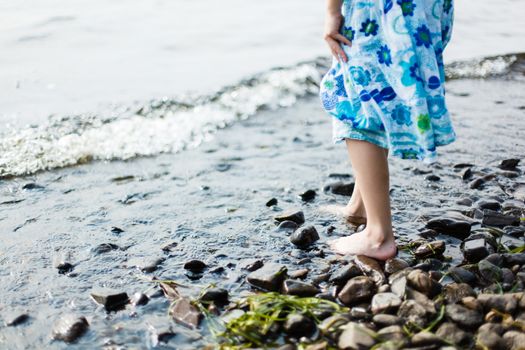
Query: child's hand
[333, 38]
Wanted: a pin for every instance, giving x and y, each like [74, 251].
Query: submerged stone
[111, 300]
[490, 272]
[452, 227]
[295, 216]
[432, 249]
[69, 328]
[184, 312]
[308, 195]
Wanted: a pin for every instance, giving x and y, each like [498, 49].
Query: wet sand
[210, 201]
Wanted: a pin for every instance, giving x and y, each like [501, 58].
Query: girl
[385, 92]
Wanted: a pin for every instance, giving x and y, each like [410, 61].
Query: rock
[146, 265]
[218, 296]
[32, 186]
[477, 183]
[512, 259]
[302, 289]
[69, 328]
[295, 216]
[399, 283]
[393, 334]
[111, 300]
[287, 226]
[298, 325]
[304, 237]
[271, 202]
[451, 333]
[330, 325]
[490, 272]
[467, 174]
[425, 339]
[385, 320]
[184, 312]
[506, 303]
[514, 340]
[269, 277]
[464, 201]
[196, 266]
[64, 267]
[17, 320]
[461, 275]
[302, 273]
[139, 299]
[494, 218]
[432, 178]
[340, 187]
[356, 336]
[344, 273]
[509, 164]
[489, 340]
[422, 282]
[455, 228]
[104, 248]
[308, 195]
[488, 204]
[454, 292]
[385, 302]
[339, 175]
[371, 267]
[160, 334]
[356, 290]
[394, 265]
[170, 247]
[252, 264]
[477, 249]
[432, 249]
[413, 312]
[463, 317]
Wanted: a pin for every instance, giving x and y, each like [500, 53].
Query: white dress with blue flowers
[391, 91]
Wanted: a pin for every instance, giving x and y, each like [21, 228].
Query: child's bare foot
[354, 216]
[366, 243]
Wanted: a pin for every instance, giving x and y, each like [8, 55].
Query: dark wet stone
[111, 300]
[385, 320]
[308, 195]
[64, 267]
[146, 265]
[161, 334]
[302, 273]
[184, 312]
[271, 202]
[219, 296]
[17, 320]
[490, 272]
[463, 165]
[385, 302]
[423, 339]
[304, 237]
[394, 265]
[104, 248]
[340, 188]
[168, 248]
[320, 278]
[515, 231]
[514, 259]
[496, 259]
[287, 226]
[297, 326]
[139, 299]
[356, 290]
[69, 328]
[413, 312]
[196, 266]
[116, 230]
[302, 289]
[295, 216]
[467, 174]
[344, 273]
[432, 178]
[494, 218]
[422, 282]
[490, 340]
[488, 204]
[252, 264]
[477, 183]
[455, 228]
[454, 292]
[222, 167]
[32, 186]
[464, 201]
[509, 164]
[269, 277]
[371, 267]
[463, 317]
[356, 336]
[477, 249]
[461, 275]
[506, 303]
[451, 333]
[431, 249]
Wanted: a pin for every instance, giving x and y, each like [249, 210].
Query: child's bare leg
[370, 166]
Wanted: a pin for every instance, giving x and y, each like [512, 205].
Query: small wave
[172, 125]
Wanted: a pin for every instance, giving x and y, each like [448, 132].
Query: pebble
[252, 264]
[422, 282]
[490, 272]
[463, 317]
[356, 290]
[385, 303]
[432, 178]
[431, 249]
[413, 312]
[287, 226]
[494, 218]
[69, 328]
[455, 292]
[455, 228]
[509, 164]
[111, 300]
[308, 195]
[371, 267]
[514, 340]
[146, 265]
[17, 320]
[488, 204]
[271, 202]
[196, 266]
[394, 265]
[302, 273]
[218, 296]
[160, 334]
[298, 325]
[385, 320]
[344, 273]
[304, 237]
[139, 299]
[269, 277]
[301, 289]
[356, 336]
[170, 247]
[295, 216]
[477, 183]
[506, 303]
[490, 340]
[423, 338]
[451, 333]
[461, 275]
[464, 201]
[476, 249]
[104, 248]
[183, 311]
[340, 188]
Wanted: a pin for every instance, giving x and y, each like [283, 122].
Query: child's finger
[343, 39]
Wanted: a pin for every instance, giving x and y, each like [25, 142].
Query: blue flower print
[346, 110]
[388, 6]
[423, 36]
[401, 115]
[407, 7]
[329, 101]
[340, 86]
[349, 33]
[447, 6]
[436, 106]
[360, 75]
[369, 27]
[383, 54]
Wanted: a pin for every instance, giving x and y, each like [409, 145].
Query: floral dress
[391, 91]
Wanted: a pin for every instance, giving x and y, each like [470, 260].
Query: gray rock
[451, 333]
[477, 249]
[393, 334]
[304, 237]
[454, 292]
[184, 312]
[146, 265]
[371, 268]
[514, 340]
[340, 188]
[385, 302]
[385, 320]
[464, 317]
[432, 249]
[196, 266]
[69, 328]
[477, 183]
[308, 195]
[218, 296]
[394, 265]
[413, 312]
[302, 289]
[297, 326]
[461, 275]
[17, 320]
[514, 259]
[271, 202]
[358, 289]
[111, 300]
[287, 226]
[268, 278]
[489, 340]
[330, 326]
[506, 303]
[295, 216]
[104, 248]
[356, 336]
[252, 264]
[509, 164]
[425, 339]
[488, 204]
[139, 299]
[494, 218]
[160, 334]
[344, 273]
[422, 282]
[490, 272]
[452, 227]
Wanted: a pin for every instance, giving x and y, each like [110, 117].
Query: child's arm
[332, 35]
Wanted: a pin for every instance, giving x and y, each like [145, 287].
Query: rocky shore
[223, 246]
